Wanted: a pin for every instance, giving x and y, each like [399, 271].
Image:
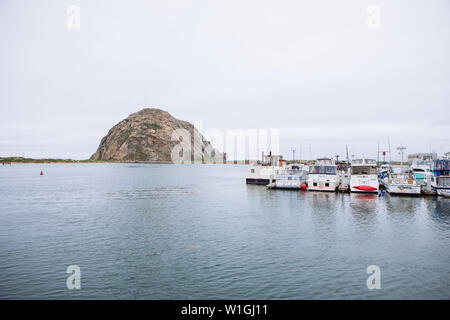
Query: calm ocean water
[199, 232]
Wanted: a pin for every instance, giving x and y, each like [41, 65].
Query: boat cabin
[364, 167]
[323, 166]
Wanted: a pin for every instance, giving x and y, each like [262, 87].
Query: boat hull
[364, 183]
[323, 182]
[321, 186]
[365, 188]
[403, 189]
[445, 193]
[257, 181]
[288, 184]
[442, 191]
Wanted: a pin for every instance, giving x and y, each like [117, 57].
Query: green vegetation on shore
[19, 160]
[9, 160]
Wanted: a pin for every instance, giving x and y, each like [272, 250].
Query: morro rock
[147, 136]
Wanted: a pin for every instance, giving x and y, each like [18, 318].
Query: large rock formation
[147, 136]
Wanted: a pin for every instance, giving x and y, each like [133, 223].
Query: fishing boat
[270, 168]
[364, 176]
[323, 176]
[402, 183]
[440, 178]
[295, 175]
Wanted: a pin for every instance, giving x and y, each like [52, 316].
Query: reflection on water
[199, 232]
[153, 193]
[364, 208]
[439, 210]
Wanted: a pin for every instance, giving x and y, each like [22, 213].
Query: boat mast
[390, 157]
[300, 153]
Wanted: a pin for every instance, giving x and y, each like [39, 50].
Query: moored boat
[398, 183]
[364, 176]
[323, 176]
[295, 175]
[420, 168]
[440, 178]
[270, 168]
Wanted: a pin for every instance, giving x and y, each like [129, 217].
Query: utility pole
[401, 149]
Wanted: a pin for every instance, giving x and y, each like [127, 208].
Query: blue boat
[440, 179]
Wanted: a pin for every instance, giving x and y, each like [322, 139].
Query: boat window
[443, 165]
[364, 170]
[314, 169]
[418, 170]
[330, 170]
[443, 181]
[253, 170]
[323, 169]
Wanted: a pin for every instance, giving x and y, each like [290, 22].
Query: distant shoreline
[23, 160]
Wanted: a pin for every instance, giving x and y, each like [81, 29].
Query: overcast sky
[320, 71]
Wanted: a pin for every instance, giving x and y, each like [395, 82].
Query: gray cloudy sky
[313, 69]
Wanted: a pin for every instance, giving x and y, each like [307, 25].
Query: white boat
[364, 176]
[323, 176]
[398, 183]
[271, 167]
[440, 180]
[445, 193]
[294, 176]
[420, 169]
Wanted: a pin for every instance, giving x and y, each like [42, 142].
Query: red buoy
[42, 173]
[303, 186]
